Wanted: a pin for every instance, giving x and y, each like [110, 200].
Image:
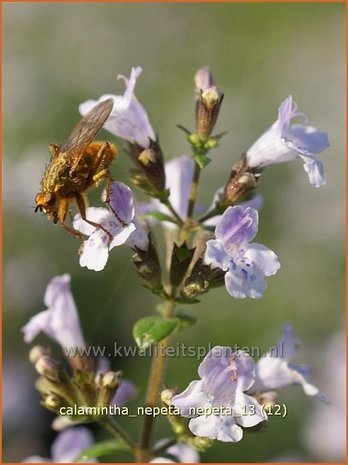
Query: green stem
[170, 207]
[194, 190]
[154, 386]
[112, 427]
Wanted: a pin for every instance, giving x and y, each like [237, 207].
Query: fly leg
[62, 213]
[105, 173]
[82, 209]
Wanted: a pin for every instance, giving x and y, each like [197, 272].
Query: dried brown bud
[207, 110]
[243, 180]
[151, 163]
[194, 286]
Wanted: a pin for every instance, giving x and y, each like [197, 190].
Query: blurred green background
[58, 55]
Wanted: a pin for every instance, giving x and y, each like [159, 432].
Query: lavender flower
[274, 371]
[225, 376]
[128, 118]
[125, 392]
[179, 453]
[246, 263]
[67, 446]
[283, 142]
[60, 321]
[127, 231]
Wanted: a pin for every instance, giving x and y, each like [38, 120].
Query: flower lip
[246, 263]
[284, 142]
[128, 118]
[225, 375]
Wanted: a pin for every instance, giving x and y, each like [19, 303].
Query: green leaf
[185, 319]
[202, 160]
[151, 330]
[100, 449]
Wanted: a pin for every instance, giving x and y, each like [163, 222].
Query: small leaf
[151, 330]
[202, 160]
[100, 449]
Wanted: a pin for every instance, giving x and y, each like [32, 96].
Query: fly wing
[85, 131]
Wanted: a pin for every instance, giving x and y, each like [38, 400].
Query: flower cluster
[205, 248]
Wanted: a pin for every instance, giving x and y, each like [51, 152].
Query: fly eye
[49, 199]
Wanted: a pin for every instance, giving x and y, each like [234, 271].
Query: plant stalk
[154, 386]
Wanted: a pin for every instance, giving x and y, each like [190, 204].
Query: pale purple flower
[225, 376]
[274, 370]
[60, 321]
[178, 453]
[124, 229]
[246, 263]
[283, 142]
[125, 392]
[67, 447]
[128, 118]
[204, 78]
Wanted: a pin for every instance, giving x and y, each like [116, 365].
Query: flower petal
[128, 118]
[95, 252]
[70, 443]
[96, 214]
[60, 321]
[315, 171]
[306, 139]
[125, 392]
[121, 201]
[247, 410]
[179, 176]
[193, 397]
[264, 258]
[216, 255]
[220, 427]
[184, 453]
[237, 226]
[241, 283]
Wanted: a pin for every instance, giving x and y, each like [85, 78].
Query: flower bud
[112, 379]
[47, 367]
[201, 443]
[36, 352]
[194, 286]
[52, 401]
[207, 110]
[242, 181]
[108, 386]
[203, 79]
[151, 163]
[167, 396]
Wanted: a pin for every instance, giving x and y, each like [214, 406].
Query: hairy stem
[194, 190]
[154, 386]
